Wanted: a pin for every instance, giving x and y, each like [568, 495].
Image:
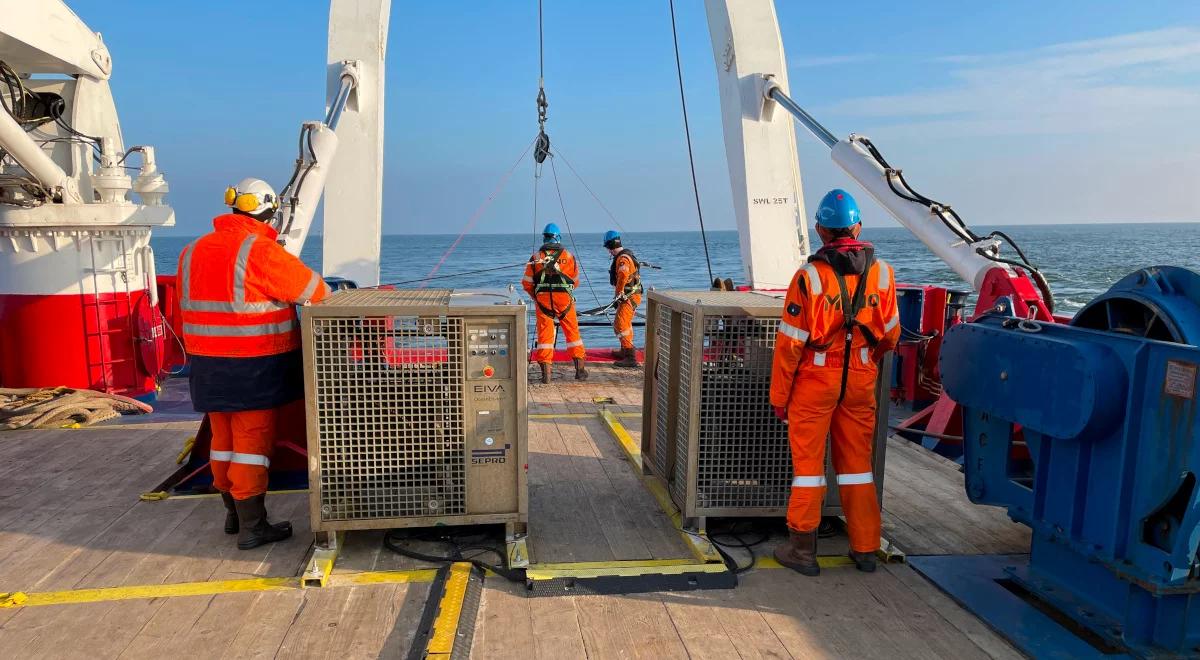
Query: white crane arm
[933, 224]
[45, 36]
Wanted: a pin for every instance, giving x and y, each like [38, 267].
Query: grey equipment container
[708, 430]
[416, 409]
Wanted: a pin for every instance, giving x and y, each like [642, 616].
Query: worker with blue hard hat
[550, 279]
[838, 321]
[624, 274]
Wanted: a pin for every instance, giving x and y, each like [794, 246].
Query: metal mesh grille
[662, 387]
[735, 389]
[390, 416]
[683, 420]
[388, 297]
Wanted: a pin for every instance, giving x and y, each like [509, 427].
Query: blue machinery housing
[1088, 434]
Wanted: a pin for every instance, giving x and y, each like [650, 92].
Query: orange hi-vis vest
[238, 289]
[813, 332]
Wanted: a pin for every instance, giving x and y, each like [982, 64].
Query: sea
[1080, 261]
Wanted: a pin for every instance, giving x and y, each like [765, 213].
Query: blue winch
[1088, 433]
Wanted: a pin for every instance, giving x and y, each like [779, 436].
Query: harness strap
[851, 306]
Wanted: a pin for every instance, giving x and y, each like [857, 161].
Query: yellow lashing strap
[187, 449]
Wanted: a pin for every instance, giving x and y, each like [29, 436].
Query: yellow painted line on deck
[579, 415]
[382, 577]
[210, 588]
[823, 561]
[632, 451]
[445, 626]
[627, 569]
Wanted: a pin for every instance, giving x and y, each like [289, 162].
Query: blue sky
[1015, 112]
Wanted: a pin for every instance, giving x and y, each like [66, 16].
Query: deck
[171, 583]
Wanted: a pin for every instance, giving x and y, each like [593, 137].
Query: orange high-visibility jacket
[812, 331]
[238, 288]
[625, 273]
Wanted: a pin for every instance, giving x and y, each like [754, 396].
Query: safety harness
[633, 285]
[851, 306]
[548, 279]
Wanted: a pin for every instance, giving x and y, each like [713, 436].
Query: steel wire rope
[571, 234]
[559, 153]
[687, 132]
[479, 212]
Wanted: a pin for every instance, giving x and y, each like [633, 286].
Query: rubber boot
[580, 370]
[863, 561]
[231, 517]
[545, 372]
[256, 529]
[799, 553]
[628, 358]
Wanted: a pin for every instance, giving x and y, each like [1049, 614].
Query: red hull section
[110, 342]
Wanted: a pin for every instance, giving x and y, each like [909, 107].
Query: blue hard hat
[552, 231]
[838, 210]
[611, 235]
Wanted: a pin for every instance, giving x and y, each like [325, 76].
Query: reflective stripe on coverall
[808, 380]
[624, 269]
[238, 289]
[557, 300]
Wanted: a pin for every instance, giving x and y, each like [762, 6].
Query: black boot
[580, 370]
[864, 561]
[231, 517]
[799, 553]
[546, 367]
[256, 529]
[628, 358]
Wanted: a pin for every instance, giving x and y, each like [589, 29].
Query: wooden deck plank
[262, 630]
[503, 626]
[562, 525]
[619, 528]
[628, 627]
[310, 635]
[699, 626]
[555, 626]
[926, 492]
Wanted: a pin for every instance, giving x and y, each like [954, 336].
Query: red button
[488, 372]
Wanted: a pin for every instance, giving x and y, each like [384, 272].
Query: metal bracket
[324, 554]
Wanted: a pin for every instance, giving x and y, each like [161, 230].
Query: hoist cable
[559, 153]
[571, 234]
[687, 132]
[479, 211]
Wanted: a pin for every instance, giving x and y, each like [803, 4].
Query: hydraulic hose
[512, 575]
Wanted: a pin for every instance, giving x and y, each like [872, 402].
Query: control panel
[489, 353]
[492, 461]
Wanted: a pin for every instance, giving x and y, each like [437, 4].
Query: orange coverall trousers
[815, 414]
[546, 332]
[242, 445]
[623, 323]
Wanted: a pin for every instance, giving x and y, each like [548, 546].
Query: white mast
[354, 190]
[764, 167]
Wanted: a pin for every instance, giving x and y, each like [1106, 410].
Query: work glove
[781, 413]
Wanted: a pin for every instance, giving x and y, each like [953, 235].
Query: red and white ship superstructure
[77, 283]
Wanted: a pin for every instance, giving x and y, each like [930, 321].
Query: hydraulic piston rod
[941, 232]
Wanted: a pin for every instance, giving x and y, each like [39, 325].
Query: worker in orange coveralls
[238, 291]
[550, 279]
[625, 276]
[823, 381]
